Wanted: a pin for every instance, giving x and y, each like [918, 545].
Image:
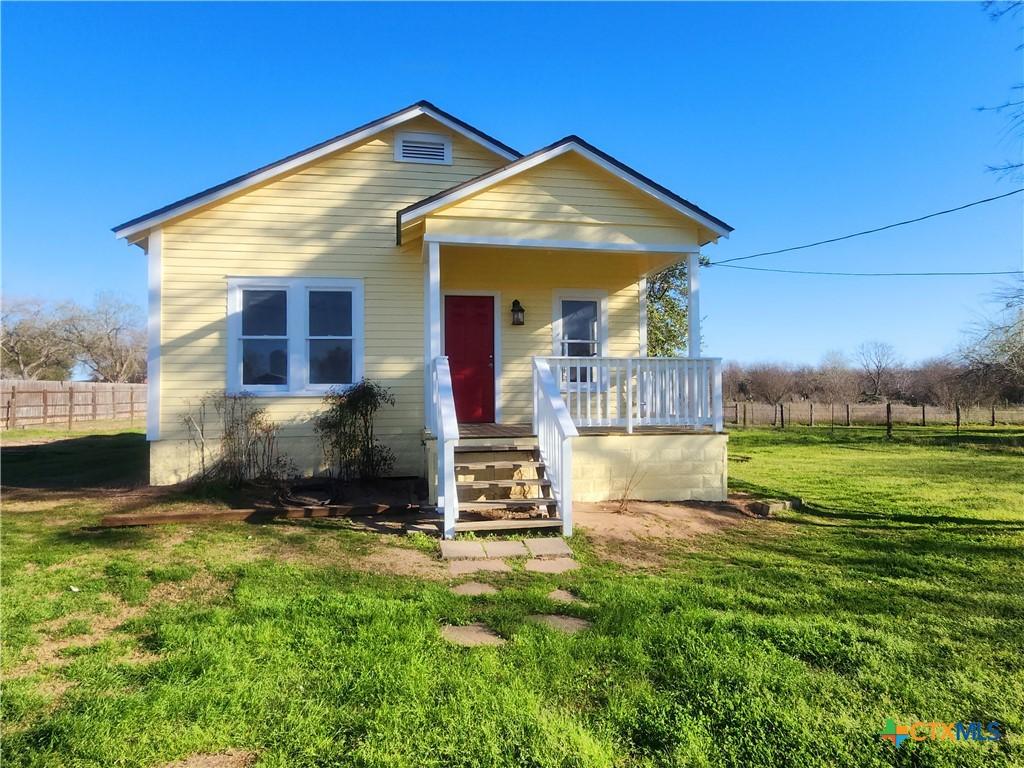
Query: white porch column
[693, 304]
[431, 323]
[642, 285]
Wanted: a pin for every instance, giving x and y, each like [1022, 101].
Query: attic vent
[423, 148]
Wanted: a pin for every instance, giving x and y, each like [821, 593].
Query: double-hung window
[294, 335]
[580, 329]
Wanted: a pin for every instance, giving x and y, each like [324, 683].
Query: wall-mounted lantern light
[518, 313]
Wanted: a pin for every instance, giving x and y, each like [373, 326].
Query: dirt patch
[626, 537]
[49, 652]
[398, 561]
[231, 759]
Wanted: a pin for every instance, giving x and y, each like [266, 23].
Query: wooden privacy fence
[28, 403]
[874, 414]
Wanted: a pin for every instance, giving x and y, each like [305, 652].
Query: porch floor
[526, 430]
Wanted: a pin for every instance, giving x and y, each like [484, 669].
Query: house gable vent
[423, 148]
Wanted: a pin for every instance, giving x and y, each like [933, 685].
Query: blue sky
[793, 122]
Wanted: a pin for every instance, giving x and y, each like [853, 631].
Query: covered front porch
[535, 339]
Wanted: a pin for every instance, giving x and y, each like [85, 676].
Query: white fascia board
[575, 245]
[471, 189]
[304, 159]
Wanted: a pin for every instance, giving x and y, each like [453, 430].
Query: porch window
[580, 329]
[294, 335]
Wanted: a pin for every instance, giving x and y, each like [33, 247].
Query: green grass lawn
[896, 592]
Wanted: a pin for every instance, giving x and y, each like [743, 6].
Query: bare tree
[837, 381]
[771, 382]
[994, 356]
[109, 339]
[34, 344]
[1012, 109]
[880, 365]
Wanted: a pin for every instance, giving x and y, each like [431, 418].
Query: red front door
[469, 344]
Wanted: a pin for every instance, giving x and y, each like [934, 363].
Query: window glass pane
[264, 361]
[330, 313]
[579, 323]
[330, 361]
[264, 313]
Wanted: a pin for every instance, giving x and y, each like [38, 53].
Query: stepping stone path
[505, 549]
[555, 565]
[474, 588]
[471, 635]
[548, 548]
[562, 596]
[547, 555]
[568, 624]
[465, 567]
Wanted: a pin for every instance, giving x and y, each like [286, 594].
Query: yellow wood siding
[567, 198]
[534, 277]
[335, 218]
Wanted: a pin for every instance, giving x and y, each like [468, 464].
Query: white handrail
[640, 391]
[555, 430]
[447, 426]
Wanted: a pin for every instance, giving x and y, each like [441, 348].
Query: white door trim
[496, 295]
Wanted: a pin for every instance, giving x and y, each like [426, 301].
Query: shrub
[248, 448]
[345, 428]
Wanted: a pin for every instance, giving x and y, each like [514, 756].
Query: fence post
[12, 409]
[94, 403]
[958, 419]
[847, 414]
[782, 415]
[131, 404]
[923, 423]
[46, 407]
[811, 418]
[993, 422]
[888, 420]
[744, 414]
[71, 406]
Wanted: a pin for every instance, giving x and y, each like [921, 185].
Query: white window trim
[401, 136]
[298, 289]
[601, 297]
[496, 295]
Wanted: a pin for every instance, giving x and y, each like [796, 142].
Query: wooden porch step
[502, 483]
[507, 525]
[485, 448]
[474, 506]
[469, 466]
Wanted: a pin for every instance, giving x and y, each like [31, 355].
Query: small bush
[345, 428]
[247, 445]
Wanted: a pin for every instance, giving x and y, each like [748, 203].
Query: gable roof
[568, 144]
[293, 161]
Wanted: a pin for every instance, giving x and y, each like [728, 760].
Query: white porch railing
[641, 391]
[555, 431]
[447, 432]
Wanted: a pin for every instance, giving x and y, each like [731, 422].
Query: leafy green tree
[667, 324]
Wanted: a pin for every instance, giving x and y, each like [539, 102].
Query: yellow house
[501, 297]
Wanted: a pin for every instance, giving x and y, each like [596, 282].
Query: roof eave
[150, 220]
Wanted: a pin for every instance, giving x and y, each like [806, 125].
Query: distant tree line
[44, 340]
[987, 369]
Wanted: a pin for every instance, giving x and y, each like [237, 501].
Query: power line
[869, 231]
[871, 274]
